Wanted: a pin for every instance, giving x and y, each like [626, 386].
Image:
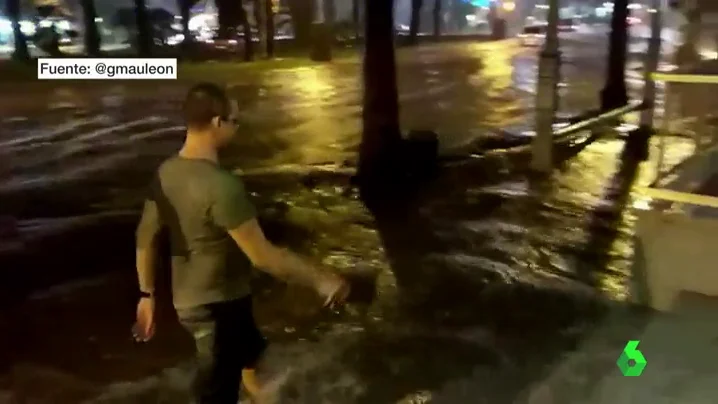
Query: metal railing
[602, 118]
[689, 122]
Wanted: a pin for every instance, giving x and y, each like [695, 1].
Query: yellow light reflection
[323, 109]
[312, 82]
[642, 203]
[498, 67]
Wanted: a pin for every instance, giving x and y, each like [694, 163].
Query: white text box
[106, 69]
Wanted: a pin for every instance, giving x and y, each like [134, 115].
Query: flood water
[483, 278]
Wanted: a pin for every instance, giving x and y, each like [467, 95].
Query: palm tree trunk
[21, 52]
[92, 36]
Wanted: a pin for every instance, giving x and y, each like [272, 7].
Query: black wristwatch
[146, 295]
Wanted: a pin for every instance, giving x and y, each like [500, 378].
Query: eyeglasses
[233, 121]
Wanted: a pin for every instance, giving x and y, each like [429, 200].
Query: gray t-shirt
[199, 202]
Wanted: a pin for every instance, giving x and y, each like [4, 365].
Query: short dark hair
[204, 102]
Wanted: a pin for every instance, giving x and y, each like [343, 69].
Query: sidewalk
[680, 350]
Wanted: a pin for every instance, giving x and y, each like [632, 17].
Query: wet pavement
[484, 279]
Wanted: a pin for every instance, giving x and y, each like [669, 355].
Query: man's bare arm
[280, 262]
[146, 236]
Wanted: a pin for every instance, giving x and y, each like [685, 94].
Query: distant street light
[509, 6]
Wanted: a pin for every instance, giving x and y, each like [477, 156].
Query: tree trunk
[330, 17]
[355, 18]
[615, 94]
[437, 19]
[92, 36]
[381, 137]
[330, 13]
[247, 28]
[687, 53]
[302, 17]
[416, 6]
[260, 15]
[270, 30]
[185, 6]
[21, 52]
[47, 38]
[321, 47]
[228, 18]
[231, 14]
[144, 33]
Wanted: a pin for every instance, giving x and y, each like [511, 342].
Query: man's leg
[219, 359]
[253, 346]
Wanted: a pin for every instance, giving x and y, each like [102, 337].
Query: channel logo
[631, 362]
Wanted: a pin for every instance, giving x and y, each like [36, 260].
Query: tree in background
[21, 52]
[260, 16]
[230, 15]
[324, 32]
[437, 18]
[687, 53]
[247, 30]
[415, 23]
[302, 12]
[144, 32]
[330, 12]
[185, 6]
[47, 38]
[264, 15]
[92, 35]
[356, 16]
[270, 6]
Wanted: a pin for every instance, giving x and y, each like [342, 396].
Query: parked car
[566, 25]
[533, 35]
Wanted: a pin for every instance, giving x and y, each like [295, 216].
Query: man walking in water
[209, 215]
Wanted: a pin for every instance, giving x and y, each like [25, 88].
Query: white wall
[675, 253]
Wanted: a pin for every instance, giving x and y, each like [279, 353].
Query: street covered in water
[483, 280]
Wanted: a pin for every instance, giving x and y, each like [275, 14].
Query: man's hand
[144, 328]
[336, 290]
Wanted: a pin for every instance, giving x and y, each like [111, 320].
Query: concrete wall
[675, 252]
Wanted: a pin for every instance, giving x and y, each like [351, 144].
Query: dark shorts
[227, 340]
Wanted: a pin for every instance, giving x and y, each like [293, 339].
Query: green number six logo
[631, 353]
